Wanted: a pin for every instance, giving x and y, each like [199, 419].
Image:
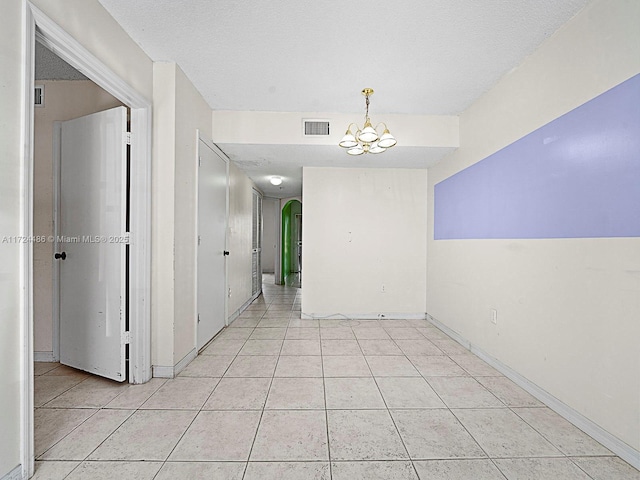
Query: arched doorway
[291, 253]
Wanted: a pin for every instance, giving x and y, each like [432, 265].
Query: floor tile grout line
[512, 408]
[255, 436]
[63, 392]
[326, 409]
[565, 455]
[447, 407]
[388, 410]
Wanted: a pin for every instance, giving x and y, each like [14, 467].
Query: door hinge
[199, 239]
[127, 138]
[199, 161]
[198, 318]
[126, 338]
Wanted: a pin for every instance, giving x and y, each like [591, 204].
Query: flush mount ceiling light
[367, 139]
[276, 181]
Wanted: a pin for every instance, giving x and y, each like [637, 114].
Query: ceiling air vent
[314, 128]
[38, 96]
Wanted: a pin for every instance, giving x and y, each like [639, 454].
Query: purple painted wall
[576, 177]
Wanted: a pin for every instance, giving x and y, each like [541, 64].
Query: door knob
[59, 256]
[225, 253]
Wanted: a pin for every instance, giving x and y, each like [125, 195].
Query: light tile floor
[274, 397]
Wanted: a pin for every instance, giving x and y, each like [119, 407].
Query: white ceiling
[422, 57]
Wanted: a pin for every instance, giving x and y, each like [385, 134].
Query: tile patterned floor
[275, 397]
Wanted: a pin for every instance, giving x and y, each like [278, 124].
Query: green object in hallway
[291, 224]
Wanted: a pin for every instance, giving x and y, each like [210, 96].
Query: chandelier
[367, 139]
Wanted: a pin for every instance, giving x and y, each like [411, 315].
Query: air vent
[314, 128]
[38, 96]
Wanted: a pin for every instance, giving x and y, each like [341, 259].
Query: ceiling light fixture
[367, 140]
[276, 181]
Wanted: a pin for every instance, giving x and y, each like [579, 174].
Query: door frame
[223, 156]
[66, 47]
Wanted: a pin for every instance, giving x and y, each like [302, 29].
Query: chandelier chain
[367, 111]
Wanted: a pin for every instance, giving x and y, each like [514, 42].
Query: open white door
[212, 227]
[91, 243]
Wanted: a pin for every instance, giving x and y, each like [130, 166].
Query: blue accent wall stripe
[576, 177]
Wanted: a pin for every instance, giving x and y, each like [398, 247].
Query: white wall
[270, 237]
[284, 128]
[364, 230]
[11, 313]
[568, 309]
[192, 113]
[163, 215]
[64, 100]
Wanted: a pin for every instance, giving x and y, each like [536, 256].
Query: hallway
[274, 397]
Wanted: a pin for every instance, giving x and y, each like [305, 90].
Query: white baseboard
[613, 443]
[15, 474]
[362, 316]
[244, 306]
[162, 371]
[43, 357]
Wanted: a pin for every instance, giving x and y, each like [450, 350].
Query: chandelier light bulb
[376, 148]
[357, 150]
[348, 140]
[368, 133]
[387, 140]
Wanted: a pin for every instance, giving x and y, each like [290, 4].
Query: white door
[90, 248]
[212, 227]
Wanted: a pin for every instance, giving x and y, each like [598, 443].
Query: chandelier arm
[381, 123]
[352, 124]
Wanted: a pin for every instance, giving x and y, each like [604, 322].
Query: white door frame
[225, 159]
[67, 48]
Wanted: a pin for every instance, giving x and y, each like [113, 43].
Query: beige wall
[64, 100]
[364, 241]
[568, 309]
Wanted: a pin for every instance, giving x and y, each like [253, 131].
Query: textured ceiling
[49, 66]
[427, 57]
[421, 56]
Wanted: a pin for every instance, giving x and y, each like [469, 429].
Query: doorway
[291, 248]
[66, 125]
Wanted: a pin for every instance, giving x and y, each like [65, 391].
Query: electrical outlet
[229, 295]
[494, 316]
[382, 289]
